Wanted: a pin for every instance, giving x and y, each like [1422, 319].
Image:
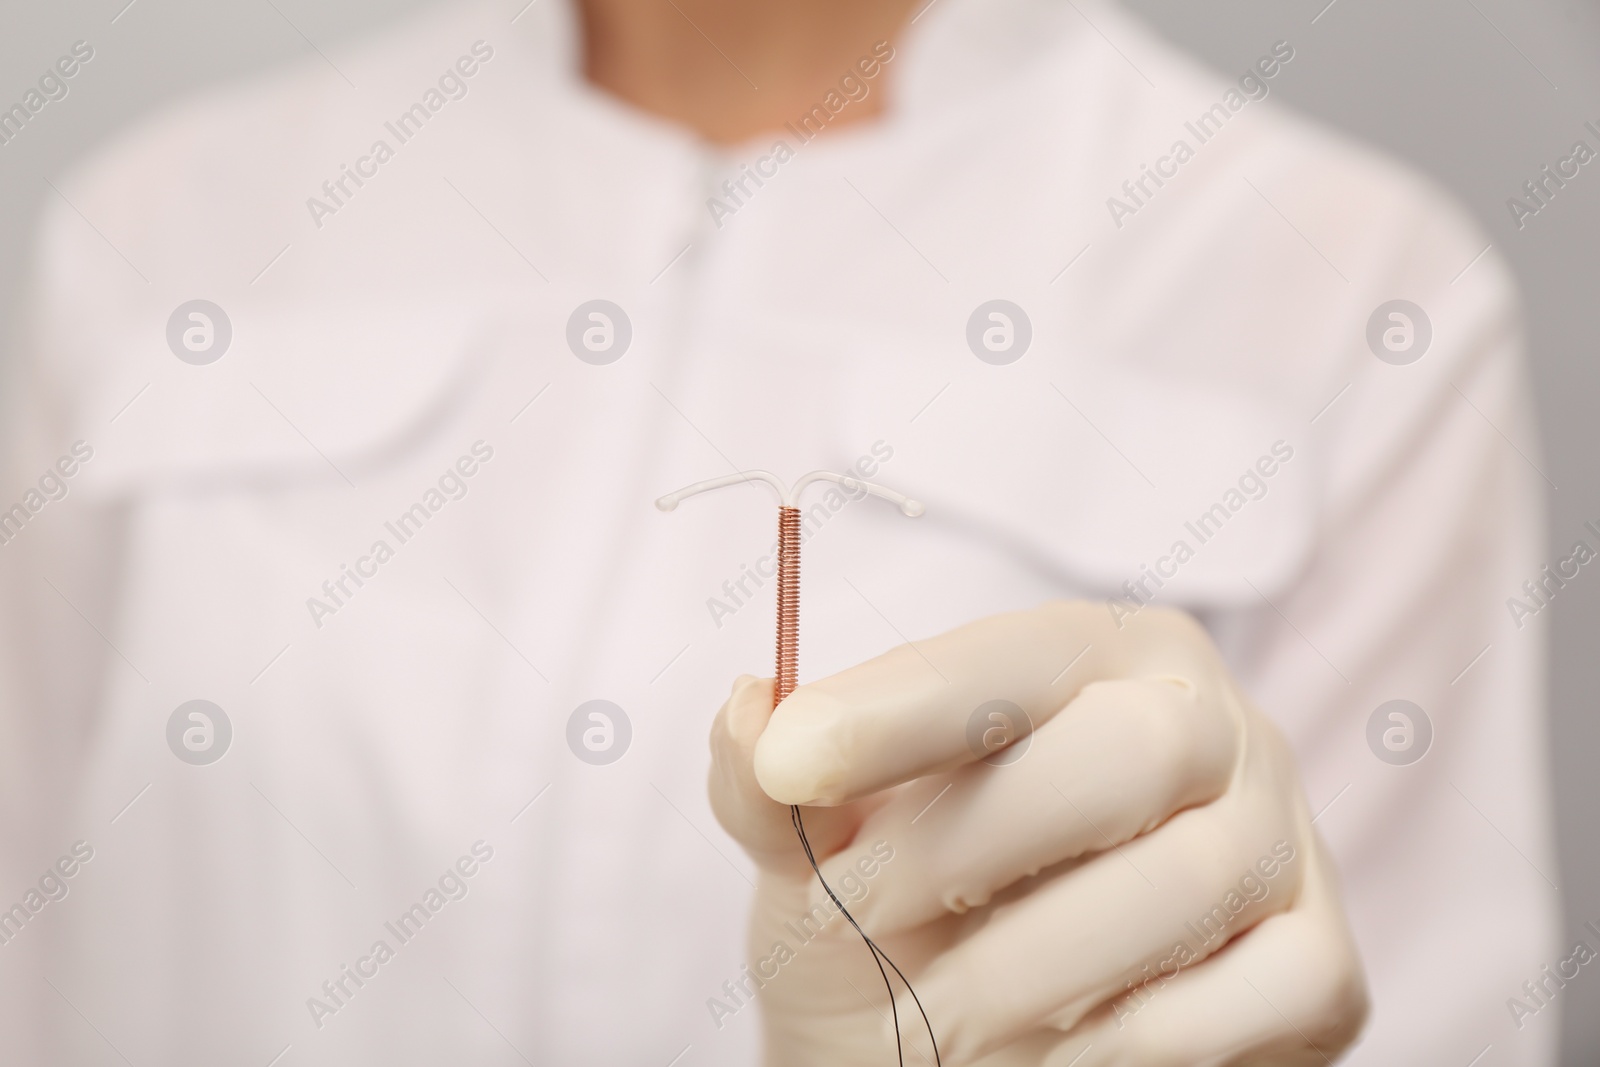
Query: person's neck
[732, 69]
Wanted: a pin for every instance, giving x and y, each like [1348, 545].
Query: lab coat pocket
[261, 395]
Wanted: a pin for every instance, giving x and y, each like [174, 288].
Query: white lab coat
[376, 740]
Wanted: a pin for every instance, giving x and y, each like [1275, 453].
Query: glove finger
[761, 825]
[1293, 984]
[1051, 951]
[917, 709]
[1119, 760]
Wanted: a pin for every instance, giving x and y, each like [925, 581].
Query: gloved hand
[1142, 886]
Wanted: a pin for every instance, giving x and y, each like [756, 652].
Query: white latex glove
[1068, 907]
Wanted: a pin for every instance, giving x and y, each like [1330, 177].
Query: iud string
[788, 651]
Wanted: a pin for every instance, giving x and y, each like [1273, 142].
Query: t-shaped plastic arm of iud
[789, 549]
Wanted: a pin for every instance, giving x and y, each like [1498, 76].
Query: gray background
[1478, 93]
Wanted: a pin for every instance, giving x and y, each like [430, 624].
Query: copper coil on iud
[789, 529]
[788, 664]
[788, 667]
